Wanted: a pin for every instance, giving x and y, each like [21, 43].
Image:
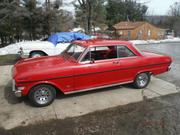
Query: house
[138, 31]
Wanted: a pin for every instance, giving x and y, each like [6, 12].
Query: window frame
[85, 48]
[128, 49]
[88, 49]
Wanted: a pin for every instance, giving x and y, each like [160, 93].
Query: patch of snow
[97, 29]
[3, 52]
[10, 49]
[78, 29]
[137, 42]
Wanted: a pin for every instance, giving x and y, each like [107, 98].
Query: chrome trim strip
[99, 87]
[83, 55]
[17, 93]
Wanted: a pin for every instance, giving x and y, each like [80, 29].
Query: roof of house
[128, 25]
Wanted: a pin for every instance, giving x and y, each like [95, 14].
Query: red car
[83, 66]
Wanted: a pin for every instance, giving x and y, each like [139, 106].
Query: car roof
[101, 42]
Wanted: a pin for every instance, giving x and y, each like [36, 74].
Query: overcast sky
[159, 7]
[156, 7]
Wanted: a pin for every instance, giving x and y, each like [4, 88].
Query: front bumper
[17, 93]
[169, 68]
[22, 53]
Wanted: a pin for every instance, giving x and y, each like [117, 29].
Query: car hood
[41, 68]
[35, 44]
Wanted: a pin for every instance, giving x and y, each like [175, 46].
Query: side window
[123, 51]
[101, 53]
[104, 52]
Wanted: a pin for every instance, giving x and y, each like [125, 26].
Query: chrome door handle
[116, 62]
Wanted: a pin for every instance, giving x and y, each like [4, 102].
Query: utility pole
[18, 3]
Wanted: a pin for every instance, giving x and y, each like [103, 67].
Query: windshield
[74, 51]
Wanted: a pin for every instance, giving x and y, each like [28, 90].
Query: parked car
[34, 49]
[54, 45]
[86, 65]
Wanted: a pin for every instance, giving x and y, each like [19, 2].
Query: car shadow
[60, 96]
[9, 95]
[12, 99]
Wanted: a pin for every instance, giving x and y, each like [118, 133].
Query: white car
[34, 48]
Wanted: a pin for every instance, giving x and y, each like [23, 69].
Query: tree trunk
[2, 41]
[17, 2]
[89, 16]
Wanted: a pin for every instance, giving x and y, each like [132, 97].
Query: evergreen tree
[31, 19]
[124, 10]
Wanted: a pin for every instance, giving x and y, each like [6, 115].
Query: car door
[99, 69]
[129, 63]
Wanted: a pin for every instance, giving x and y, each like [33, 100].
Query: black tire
[36, 54]
[142, 80]
[42, 95]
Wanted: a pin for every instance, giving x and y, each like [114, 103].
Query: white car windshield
[74, 51]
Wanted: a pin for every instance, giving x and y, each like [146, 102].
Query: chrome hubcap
[42, 95]
[142, 79]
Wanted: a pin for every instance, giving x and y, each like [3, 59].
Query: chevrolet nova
[83, 66]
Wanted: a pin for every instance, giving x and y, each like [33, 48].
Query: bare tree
[173, 20]
[175, 9]
[90, 13]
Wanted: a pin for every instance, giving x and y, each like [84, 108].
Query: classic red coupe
[83, 66]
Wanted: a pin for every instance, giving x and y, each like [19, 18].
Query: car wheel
[36, 54]
[142, 80]
[42, 95]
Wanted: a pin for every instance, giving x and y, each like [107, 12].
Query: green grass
[9, 59]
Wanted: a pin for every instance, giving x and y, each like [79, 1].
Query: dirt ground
[160, 116]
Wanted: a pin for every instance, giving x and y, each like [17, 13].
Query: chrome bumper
[22, 53]
[17, 93]
[169, 68]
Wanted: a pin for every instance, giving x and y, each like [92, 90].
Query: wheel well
[58, 91]
[150, 73]
[45, 54]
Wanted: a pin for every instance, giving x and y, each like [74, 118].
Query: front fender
[29, 86]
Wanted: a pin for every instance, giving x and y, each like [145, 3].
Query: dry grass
[9, 59]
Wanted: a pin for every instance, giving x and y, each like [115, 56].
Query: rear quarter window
[124, 51]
